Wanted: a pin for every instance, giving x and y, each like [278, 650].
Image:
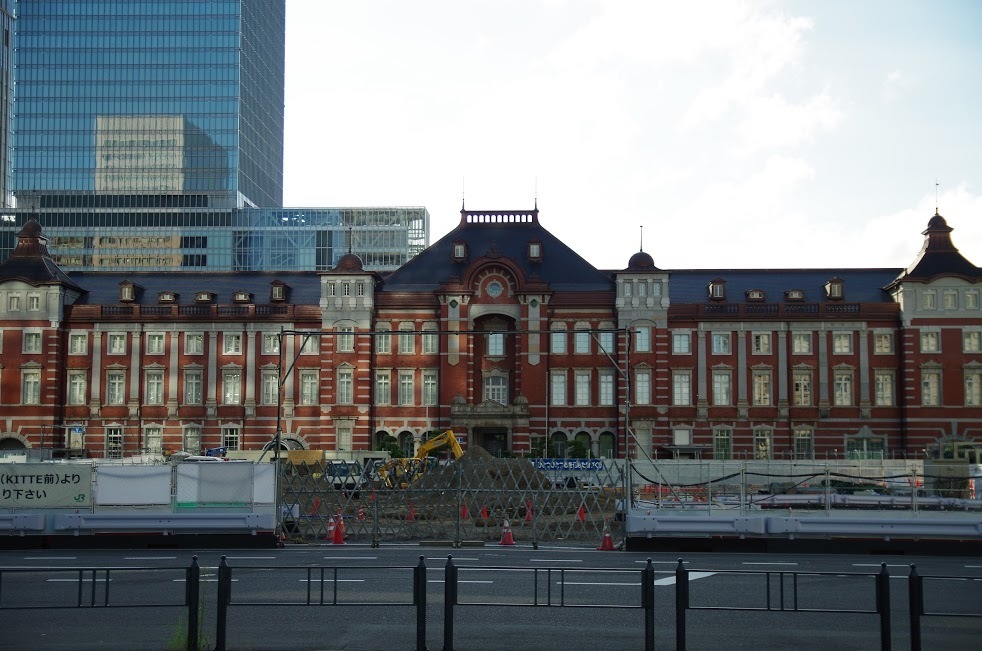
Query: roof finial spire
[936, 195]
[463, 194]
[351, 236]
[642, 238]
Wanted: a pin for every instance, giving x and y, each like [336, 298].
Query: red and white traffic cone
[338, 537]
[361, 513]
[506, 536]
[607, 543]
[330, 529]
[340, 525]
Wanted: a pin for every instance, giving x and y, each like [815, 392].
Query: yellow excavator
[399, 473]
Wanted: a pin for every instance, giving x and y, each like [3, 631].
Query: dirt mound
[477, 468]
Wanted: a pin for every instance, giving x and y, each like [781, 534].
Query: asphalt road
[557, 598]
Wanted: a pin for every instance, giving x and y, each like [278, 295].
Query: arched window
[608, 446]
[407, 444]
[557, 444]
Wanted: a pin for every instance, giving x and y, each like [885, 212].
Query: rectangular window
[194, 343]
[155, 343]
[33, 303]
[192, 440]
[193, 387]
[972, 342]
[271, 344]
[762, 344]
[950, 298]
[230, 438]
[842, 391]
[154, 387]
[721, 343]
[681, 343]
[153, 440]
[642, 387]
[606, 379]
[801, 343]
[930, 342]
[606, 342]
[762, 444]
[270, 388]
[841, 343]
[496, 389]
[804, 444]
[32, 342]
[407, 339]
[558, 392]
[431, 340]
[76, 387]
[345, 434]
[406, 388]
[309, 343]
[114, 442]
[231, 387]
[346, 341]
[345, 391]
[309, 393]
[642, 339]
[429, 388]
[802, 388]
[581, 381]
[930, 387]
[681, 388]
[30, 393]
[115, 388]
[383, 387]
[973, 388]
[13, 303]
[581, 342]
[232, 344]
[883, 388]
[762, 388]
[496, 344]
[558, 341]
[681, 436]
[882, 343]
[972, 300]
[383, 341]
[721, 388]
[929, 300]
[78, 343]
[722, 444]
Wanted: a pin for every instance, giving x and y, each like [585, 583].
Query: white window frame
[841, 343]
[232, 343]
[971, 341]
[271, 343]
[804, 443]
[682, 388]
[270, 389]
[407, 388]
[929, 299]
[496, 344]
[232, 386]
[194, 343]
[761, 343]
[30, 386]
[33, 342]
[721, 343]
[155, 343]
[309, 387]
[842, 388]
[345, 386]
[606, 342]
[801, 343]
[581, 388]
[78, 343]
[642, 387]
[763, 444]
[496, 389]
[882, 343]
[430, 395]
[153, 386]
[605, 389]
[581, 342]
[407, 339]
[642, 339]
[801, 382]
[884, 392]
[722, 443]
[431, 340]
[346, 341]
[762, 391]
[557, 341]
[973, 387]
[681, 436]
[33, 302]
[153, 439]
[949, 299]
[194, 387]
[722, 387]
[681, 343]
[231, 437]
[930, 341]
[383, 340]
[78, 386]
[931, 387]
[557, 388]
[383, 387]
[191, 439]
[115, 387]
[972, 299]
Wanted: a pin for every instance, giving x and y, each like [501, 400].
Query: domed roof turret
[938, 256]
[349, 262]
[641, 261]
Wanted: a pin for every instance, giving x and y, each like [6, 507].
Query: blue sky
[740, 135]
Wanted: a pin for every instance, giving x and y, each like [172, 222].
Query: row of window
[803, 445]
[802, 342]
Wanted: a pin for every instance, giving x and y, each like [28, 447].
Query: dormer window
[535, 251]
[204, 297]
[835, 290]
[756, 296]
[794, 295]
[277, 292]
[717, 290]
[166, 297]
[127, 292]
[242, 297]
[459, 251]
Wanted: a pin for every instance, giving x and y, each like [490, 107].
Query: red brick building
[504, 334]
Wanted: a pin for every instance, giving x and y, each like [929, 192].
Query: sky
[737, 134]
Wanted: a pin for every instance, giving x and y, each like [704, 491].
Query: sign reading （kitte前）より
[43, 485]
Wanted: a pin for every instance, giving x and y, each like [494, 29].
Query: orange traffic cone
[361, 513]
[484, 512]
[607, 543]
[317, 503]
[338, 537]
[506, 537]
[463, 512]
[340, 524]
[412, 513]
[581, 514]
[330, 529]
[528, 511]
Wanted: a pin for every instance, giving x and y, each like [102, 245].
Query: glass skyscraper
[6, 96]
[148, 104]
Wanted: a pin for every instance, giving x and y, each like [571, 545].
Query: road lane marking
[456, 558]
[556, 560]
[76, 580]
[878, 565]
[250, 558]
[663, 562]
[332, 580]
[458, 581]
[202, 580]
[693, 576]
[149, 558]
[589, 583]
[351, 558]
[771, 563]
[50, 558]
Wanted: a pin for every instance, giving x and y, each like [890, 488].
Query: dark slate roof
[490, 234]
[938, 256]
[103, 286]
[31, 263]
[860, 285]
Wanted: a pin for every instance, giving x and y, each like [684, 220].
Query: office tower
[140, 104]
[6, 95]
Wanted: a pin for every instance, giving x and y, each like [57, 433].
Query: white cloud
[894, 86]
[773, 122]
